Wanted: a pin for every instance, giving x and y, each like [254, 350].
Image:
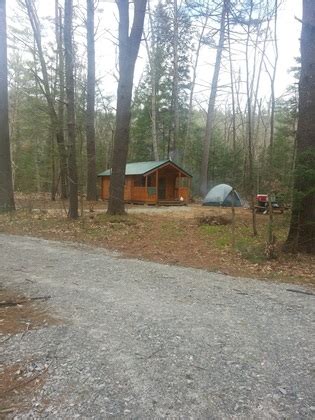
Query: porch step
[171, 203]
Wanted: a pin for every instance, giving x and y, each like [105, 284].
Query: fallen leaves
[173, 236]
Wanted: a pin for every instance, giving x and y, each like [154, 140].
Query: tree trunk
[72, 166]
[249, 93]
[128, 52]
[53, 168]
[6, 184]
[60, 120]
[154, 118]
[271, 239]
[232, 92]
[301, 235]
[175, 110]
[152, 58]
[91, 192]
[211, 105]
[188, 139]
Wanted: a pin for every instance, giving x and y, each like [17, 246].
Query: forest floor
[190, 236]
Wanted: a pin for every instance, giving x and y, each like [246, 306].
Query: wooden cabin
[162, 183]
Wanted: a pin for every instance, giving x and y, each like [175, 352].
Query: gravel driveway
[142, 340]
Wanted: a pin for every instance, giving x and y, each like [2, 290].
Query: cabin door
[162, 189]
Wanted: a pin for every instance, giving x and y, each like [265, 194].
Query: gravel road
[142, 340]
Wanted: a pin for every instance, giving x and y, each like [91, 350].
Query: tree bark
[6, 184]
[72, 165]
[249, 93]
[152, 58]
[271, 240]
[154, 117]
[60, 119]
[232, 91]
[301, 237]
[128, 52]
[211, 105]
[175, 110]
[91, 191]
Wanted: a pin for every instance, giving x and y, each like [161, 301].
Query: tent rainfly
[222, 195]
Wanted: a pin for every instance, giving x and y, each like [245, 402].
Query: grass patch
[253, 252]
[219, 236]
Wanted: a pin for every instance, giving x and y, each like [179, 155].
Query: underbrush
[246, 244]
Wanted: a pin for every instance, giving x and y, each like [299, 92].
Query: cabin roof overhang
[147, 168]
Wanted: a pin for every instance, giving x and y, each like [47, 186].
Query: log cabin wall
[105, 188]
[128, 188]
[105, 183]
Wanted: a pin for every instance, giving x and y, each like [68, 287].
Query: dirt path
[143, 340]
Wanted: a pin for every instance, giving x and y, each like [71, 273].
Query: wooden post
[178, 189]
[233, 220]
[146, 187]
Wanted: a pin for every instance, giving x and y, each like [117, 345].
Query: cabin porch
[165, 186]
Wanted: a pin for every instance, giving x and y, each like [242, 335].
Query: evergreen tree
[160, 71]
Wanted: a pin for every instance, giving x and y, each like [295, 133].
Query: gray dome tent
[222, 195]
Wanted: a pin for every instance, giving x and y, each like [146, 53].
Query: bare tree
[128, 52]
[175, 115]
[69, 67]
[91, 192]
[60, 69]
[151, 51]
[231, 69]
[270, 251]
[249, 126]
[272, 77]
[44, 83]
[193, 82]
[6, 184]
[211, 104]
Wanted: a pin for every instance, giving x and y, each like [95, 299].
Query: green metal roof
[141, 168]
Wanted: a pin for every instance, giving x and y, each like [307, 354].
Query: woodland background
[166, 119]
[64, 129]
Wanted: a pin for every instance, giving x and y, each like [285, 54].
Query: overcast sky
[288, 40]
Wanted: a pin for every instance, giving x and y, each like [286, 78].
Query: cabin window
[139, 181]
[151, 181]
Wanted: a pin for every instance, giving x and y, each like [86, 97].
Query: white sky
[288, 40]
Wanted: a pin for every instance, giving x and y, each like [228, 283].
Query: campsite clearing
[172, 235]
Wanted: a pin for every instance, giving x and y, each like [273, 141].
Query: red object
[262, 198]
